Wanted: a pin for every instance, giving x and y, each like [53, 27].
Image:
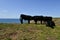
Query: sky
[14, 8]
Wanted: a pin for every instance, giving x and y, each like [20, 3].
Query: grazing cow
[25, 17]
[50, 24]
[37, 18]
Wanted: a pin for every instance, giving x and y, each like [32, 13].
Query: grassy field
[29, 31]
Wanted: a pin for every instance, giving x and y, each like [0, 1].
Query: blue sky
[13, 8]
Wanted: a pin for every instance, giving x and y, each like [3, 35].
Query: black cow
[47, 18]
[50, 24]
[25, 17]
[38, 18]
[42, 18]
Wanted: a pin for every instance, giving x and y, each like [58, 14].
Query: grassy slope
[29, 31]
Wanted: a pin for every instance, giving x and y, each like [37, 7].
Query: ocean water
[10, 21]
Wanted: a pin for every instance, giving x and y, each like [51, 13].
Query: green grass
[29, 31]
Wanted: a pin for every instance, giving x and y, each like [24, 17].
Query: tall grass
[29, 31]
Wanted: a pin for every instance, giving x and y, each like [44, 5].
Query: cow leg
[21, 20]
[28, 21]
[35, 21]
[41, 21]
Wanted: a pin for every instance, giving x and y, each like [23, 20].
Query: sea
[11, 21]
